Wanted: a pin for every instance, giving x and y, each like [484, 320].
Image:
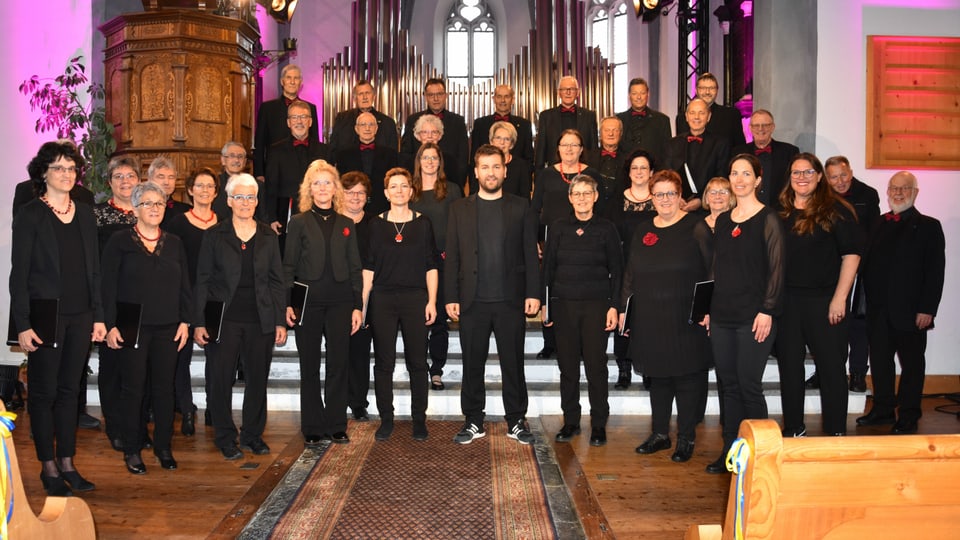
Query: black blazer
[775, 164]
[285, 169]
[549, 127]
[904, 278]
[480, 136]
[343, 134]
[454, 143]
[866, 201]
[520, 252]
[709, 159]
[305, 253]
[35, 259]
[350, 159]
[725, 122]
[218, 274]
[650, 132]
[24, 193]
[272, 127]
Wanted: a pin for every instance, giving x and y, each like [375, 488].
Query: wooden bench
[896, 486]
[62, 518]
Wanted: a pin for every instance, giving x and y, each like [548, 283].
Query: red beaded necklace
[200, 219]
[117, 208]
[55, 211]
[144, 237]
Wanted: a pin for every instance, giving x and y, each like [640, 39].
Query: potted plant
[62, 110]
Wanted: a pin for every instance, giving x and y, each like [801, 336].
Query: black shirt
[401, 254]
[490, 256]
[73, 274]
[243, 307]
[583, 260]
[327, 290]
[813, 260]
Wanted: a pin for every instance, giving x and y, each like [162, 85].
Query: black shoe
[256, 446]
[567, 432]
[86, 421]
[117, 444]
[166, 459]
[719, 466]
[904, 427]
[147, 442]
[340, 437]
[874, 418]
[420, 432]
[436, 383]
[813, 381]
[231, 452]
[134, 464]
[207, 420]
[799, 431]
[360, 414]
[188, 424]
[598, 436]
[684, 451]
[385, 430]
[858, 382]
[546, 352]
[77, 482]
[55, 486]
[626, 374]
[312, 440]
[654, 443]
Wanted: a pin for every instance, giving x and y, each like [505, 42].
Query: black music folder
[44, 319]
[128, 323]
[298, 300]
[625, 327]
[213, 319]
[702, 296]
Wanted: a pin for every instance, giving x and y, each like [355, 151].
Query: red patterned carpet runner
[400, 488]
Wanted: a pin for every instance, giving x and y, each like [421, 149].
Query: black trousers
[358, 372]
[108, 385]
[688, 391]
[390, 311]
[183, 384]
[740, 362]
[439, 340]
[222, 361]
[579, 326]
[910, 348]
[859, 346]
[506, 321]
[330, 322]
[155, 360]
[54, 375]
[805, 323]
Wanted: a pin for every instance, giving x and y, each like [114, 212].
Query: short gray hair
[226, 147]
[584, 179]
[161, 162]
[143, 188]
[428, 119]
[242, 179]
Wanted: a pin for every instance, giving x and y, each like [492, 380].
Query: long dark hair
[821, 209]
[440, 188]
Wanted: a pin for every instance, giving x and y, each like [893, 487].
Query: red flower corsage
[346, 231]
[735, 232]
[650, 239]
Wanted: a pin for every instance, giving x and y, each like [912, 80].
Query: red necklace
[111, 203]
[58, 212]
[564, 175]
[200, 219]
[144, 237]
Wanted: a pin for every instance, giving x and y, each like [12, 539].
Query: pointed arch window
[607, 29]
[470, 43]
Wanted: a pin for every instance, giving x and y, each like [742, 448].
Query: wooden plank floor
[618, 493]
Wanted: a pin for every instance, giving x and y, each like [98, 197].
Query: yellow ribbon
[736, 462]
[7, 426]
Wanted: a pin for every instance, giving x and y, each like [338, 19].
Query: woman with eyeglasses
[429, 129]
[432, 197]
[582, 268]
[669, 255]
[55, 255]
[239, 275]
[717, 200]
[823, 244]
[148, 268]
[202, 186]
[400, 291]
[503, 135]
[748, 270]
[321, 252]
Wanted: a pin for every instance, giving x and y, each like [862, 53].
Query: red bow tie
[765, 150]
[439, 115]
[287, 101]
[641, 112]
[501, 117]
[568, 110]
[610, 153]
[301, 142]
[890, 216]
[692, 138]
[365, 147]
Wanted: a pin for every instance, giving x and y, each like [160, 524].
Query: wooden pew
[896, 486]
[62, 518]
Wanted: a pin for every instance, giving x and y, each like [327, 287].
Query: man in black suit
[287, 162]
[698, 151]
[774, 156]
[491, 280]
[725, 122]
[163, 172]
[233, 158]
[644, 127]
[608, 159]
[343, 134]
[503, 98]
[902, 271]
[567, 115]
[272, 119]
[454, 141]
[369, 157]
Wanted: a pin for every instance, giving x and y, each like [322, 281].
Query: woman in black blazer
[55, 257]
[322, 253]
[239, 268]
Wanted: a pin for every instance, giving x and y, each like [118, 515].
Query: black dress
[664, 265]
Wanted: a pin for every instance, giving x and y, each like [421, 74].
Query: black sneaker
[256, 446]
[231, 452]
[520, 432]
[813, 382]
[800, 431]
[87, 421]
[469, 433]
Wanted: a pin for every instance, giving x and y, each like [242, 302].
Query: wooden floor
[618, 493]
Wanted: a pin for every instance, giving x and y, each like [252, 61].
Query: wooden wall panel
[913, 102]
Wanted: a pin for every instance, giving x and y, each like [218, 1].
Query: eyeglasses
[355, 194]
[244, 198]
[581, 194]
[715, 192]
[298, 117]
[154, 204]
[808, 173]
[429, 158]
[235, 156]
[711, 88]
[501, 139]
[121, 176]
[204, 187]
[900, 189]
[61, 168]
[763, 127]
[639, 168]
[668, 195]
[367, 125]
[570, 145]
[435, 94]
[430, 133]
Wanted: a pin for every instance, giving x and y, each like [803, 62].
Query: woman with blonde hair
[717, 200]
